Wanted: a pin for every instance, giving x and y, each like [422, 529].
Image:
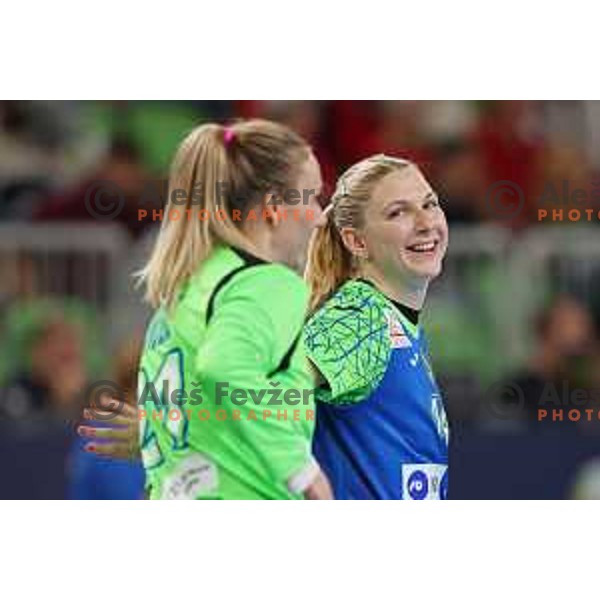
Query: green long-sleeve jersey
[224, 386]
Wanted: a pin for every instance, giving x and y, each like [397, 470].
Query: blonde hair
[330, 262]
[248, 159]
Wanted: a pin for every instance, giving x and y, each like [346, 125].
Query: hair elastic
[228, 135]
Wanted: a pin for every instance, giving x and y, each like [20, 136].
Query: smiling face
[404, 234]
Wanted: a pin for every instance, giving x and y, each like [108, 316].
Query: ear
[354, 242]
[271, 210]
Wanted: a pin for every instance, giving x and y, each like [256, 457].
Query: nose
[424, 221]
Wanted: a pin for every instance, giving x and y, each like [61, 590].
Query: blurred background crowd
[517, 309]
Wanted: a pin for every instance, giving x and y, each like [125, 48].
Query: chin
[426, 271]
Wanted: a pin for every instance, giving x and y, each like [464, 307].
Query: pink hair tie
[228, 135]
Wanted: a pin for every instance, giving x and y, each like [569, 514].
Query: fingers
[124, 417]
[116, 449]
[105, 433]
[111, 403]
[107, 411]
[107, 402]
[117, 436]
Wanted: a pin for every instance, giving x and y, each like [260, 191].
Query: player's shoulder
[266, 282]
[347, 339]
[354, 305]
[232, 272]
[243, 266]
[253, 286]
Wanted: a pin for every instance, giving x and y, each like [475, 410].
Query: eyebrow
[395, 203]
[400, 202]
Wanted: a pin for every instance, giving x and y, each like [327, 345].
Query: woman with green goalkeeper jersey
[226, 331]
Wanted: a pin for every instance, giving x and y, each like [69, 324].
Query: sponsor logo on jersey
[194, 475]
[427, 481]
[418, 485]
[398, 337]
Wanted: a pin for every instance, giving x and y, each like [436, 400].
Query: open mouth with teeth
[424, 248]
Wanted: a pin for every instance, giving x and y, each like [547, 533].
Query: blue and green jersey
[381, 429]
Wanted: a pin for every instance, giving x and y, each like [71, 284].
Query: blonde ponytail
[219, 169]
[329, 264]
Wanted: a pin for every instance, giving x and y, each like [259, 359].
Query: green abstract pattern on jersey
[348, 340]
[248, 344]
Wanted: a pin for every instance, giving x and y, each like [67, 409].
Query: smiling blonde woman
[381, 428]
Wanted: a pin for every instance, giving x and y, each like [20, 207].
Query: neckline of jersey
[408, 316]
[248, 257]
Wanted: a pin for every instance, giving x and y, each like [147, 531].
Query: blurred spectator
[364, 128]
[401, 132]
[56, 377]
[28, 143]
[565, 181]
[43, 144]
[27, 163]
[351, 132]
[511, 148]
[449, 119]
[459, 181]
[306, 118]
[123, 168]
[565, 358]
[25, 317]
[154, 127]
